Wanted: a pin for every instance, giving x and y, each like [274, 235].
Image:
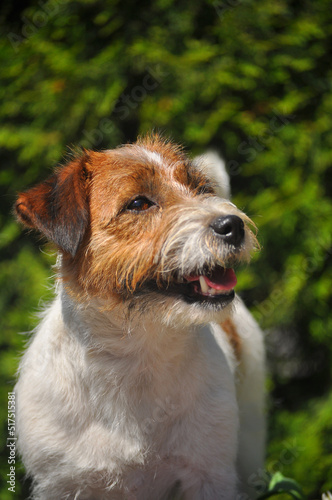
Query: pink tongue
[223, 279]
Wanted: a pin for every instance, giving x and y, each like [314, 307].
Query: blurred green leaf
[280, 484]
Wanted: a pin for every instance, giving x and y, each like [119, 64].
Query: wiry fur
[127, 390]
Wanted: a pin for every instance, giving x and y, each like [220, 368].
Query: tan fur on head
[109, 250]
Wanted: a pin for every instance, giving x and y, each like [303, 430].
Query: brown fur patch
[58, 207]
[121, 251]
[233, 336]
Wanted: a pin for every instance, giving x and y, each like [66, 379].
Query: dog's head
[142, 226]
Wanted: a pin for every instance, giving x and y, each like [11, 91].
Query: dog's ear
[214, 167]
[58, 207]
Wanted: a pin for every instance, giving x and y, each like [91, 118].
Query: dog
[144, 379]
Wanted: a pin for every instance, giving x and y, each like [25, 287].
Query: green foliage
[283, 485]
[251, 79]
[307, 439]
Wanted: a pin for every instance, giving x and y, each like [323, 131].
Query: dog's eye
[140, 204]
[206, 189]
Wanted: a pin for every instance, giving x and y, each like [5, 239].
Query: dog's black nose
[230, 228]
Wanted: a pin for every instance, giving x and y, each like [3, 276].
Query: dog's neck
[145, 343]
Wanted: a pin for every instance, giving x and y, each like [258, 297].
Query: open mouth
[220, 281]
[215, 287]
[209, 288]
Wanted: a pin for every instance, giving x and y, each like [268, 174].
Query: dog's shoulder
[240, 338]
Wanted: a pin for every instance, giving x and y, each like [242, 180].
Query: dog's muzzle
[211, 284]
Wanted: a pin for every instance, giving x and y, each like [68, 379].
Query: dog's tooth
[207, 290]
[213, 291]
[204, 285]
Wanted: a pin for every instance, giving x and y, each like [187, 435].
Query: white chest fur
[127, 413]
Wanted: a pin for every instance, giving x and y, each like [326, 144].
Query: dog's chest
[178, 411]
